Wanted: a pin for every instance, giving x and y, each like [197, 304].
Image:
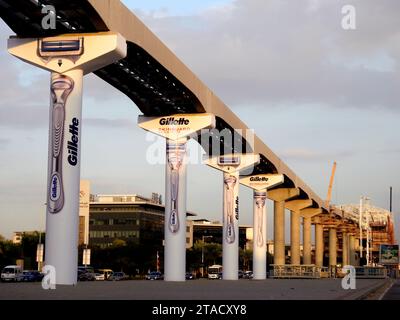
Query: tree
[28, 248]
[245, 258]
[9, 252]
[119, 243]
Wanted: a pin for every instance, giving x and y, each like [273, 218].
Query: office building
[131, 218]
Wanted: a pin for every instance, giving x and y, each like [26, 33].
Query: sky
[312, 91]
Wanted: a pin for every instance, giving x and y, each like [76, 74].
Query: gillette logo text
[174, 122]
[72, 145]
[55, 187]
[258, 179]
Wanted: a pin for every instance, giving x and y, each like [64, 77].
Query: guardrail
[290, 271]
[371, 272]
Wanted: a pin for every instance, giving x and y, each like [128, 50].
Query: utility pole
[202, 255]
[390, 200]
[368, 236]
[360, 225]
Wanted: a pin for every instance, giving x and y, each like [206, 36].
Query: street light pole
[202, 255]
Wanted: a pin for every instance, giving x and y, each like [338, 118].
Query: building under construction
[377, 227]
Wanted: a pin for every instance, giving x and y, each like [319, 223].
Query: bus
[215, 272]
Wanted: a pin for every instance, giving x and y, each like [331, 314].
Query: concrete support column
[279, 232]
[259, 235]
[319, 245]
[345, 249]
[230, 232]
[62, 218]
[307, 240]
[332, 247]
[175, 211]
[295, 237]
[352, 251]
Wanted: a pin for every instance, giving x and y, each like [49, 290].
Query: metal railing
[291, 271]
[371, 272]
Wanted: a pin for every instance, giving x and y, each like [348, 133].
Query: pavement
[201, 289]
[393, 293]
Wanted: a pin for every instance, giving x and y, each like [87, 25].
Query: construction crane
[329, 196]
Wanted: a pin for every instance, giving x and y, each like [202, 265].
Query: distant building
[380, 223]
[84, 199]
[213, 232]
[18, 235]
[131, 218]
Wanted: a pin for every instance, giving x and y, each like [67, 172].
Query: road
[393, 293]
[270, 289]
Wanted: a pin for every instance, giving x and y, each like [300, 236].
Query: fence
[290, 271]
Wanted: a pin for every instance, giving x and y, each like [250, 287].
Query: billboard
[389, 254]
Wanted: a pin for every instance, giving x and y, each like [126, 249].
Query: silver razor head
[53, 48]
[260, 198]
[175, 154]
[228, 161]
[174, 147]
[62, 83]
[230, 182]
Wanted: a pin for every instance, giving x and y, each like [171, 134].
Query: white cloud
[254, 52]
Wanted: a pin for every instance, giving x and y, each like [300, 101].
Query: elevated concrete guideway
[150, 75]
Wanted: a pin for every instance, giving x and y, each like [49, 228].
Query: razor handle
[61, 87]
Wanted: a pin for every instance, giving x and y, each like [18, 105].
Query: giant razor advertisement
[259, 234]
[231, 165]
[68, 58]
[230, 230]
[230, 208]
[61, 87]
[175, 157]
[175, 211]
[259, 218]
[65, 131]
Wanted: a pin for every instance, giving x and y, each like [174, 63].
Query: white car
[99, 276]
[11, 273]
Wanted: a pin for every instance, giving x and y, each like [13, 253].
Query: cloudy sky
[314, 93]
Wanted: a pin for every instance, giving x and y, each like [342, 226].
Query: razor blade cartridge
[60, 48]
[228, 161]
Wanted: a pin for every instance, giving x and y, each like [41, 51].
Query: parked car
[155, 275]
[248, 275]
[99, 276]
[32, 276]
[11, 273]
[240, 274]
[214, 271]
[86, 276]
[106, 272]
[117, 276]
[85, 269]
[189, 276]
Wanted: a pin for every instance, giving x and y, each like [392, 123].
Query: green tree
[28, 248]
[9, 252]
[245, 258]
[119, 243]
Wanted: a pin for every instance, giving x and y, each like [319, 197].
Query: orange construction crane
[329, 196]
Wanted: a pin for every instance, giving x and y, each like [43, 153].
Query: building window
[187, 240]
[187, 229]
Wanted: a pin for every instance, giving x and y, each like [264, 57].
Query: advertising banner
[389, 254]
[176, 127]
